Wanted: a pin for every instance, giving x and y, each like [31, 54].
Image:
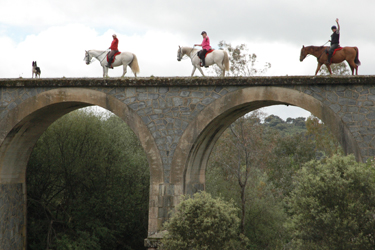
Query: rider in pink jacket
[205, 47]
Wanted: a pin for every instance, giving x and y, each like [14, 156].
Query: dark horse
[350, 54]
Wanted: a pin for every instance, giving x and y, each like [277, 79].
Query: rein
[184, 58]
[192, 51]
[323, 50]
[321, 53]
[97, 57]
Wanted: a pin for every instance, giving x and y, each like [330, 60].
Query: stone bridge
[177, 120]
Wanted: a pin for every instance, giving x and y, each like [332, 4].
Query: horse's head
[88, 57]
[303, 53]
[179, 54]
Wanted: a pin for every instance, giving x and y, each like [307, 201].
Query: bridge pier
[177, 120]
[13, 216]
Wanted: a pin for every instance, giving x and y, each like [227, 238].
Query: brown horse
[350, 54]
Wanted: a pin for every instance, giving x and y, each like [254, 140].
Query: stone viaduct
[177, 120]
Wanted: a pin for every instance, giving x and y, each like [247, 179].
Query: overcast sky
[56, 33]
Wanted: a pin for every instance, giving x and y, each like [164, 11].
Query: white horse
[125, 59]
[218, 57]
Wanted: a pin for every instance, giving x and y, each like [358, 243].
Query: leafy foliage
[264, 153]
[337, 69]
[333, 205]
[325, 140]
[287, 157]
[88, 184]
[247, 145]
[202, 222]
[237, 170]
[288, 127]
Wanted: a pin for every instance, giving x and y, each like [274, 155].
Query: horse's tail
[356, 60]
[134, 65]
[226, 61]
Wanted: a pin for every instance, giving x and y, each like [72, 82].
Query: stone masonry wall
[12, 221]
[355, 105]
[167, 107]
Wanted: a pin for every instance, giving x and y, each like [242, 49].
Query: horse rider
[114, 50]
[205, 47]
[335, 40]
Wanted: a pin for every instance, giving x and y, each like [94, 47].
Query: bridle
[88, 60]
[179, 54]
[183, 58]
[320, 54]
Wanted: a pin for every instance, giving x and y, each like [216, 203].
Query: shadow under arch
[193, 151]
[23, 125]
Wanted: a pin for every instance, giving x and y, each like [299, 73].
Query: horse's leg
[105, 71]
[192, 73]
[124, 66]
[318, 68]
[200, 69]
[353, 66]
[222, 68]
[329, 69]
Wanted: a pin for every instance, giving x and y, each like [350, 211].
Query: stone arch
[192, 153]
[24, 124]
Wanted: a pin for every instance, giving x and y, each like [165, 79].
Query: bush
[202, 222]
[333, 205]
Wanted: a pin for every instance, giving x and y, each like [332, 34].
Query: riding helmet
[333, 27]
[203, 32]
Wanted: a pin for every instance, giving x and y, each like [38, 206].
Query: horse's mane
[316, 48]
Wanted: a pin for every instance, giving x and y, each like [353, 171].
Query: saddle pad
[208, 52]
[334, 52]
[114, 57]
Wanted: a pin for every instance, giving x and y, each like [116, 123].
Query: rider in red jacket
[114, 50]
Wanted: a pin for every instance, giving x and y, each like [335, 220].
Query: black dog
[35, 70]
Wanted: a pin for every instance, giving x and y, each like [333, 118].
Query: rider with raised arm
[205, 47]
[114, 50]
[335, 40]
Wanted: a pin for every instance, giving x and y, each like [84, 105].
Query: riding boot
[329, 59]
[203, 62]
[109, 63]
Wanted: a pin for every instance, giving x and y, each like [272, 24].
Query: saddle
[334, 52]
[208, 52]
[114, 56]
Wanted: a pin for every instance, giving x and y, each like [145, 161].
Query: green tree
[202, 222]
[88, 184]
[236, 170]
[287, 157]
[333, 205]
[241, 62]
[247, 145]
[325, 141]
